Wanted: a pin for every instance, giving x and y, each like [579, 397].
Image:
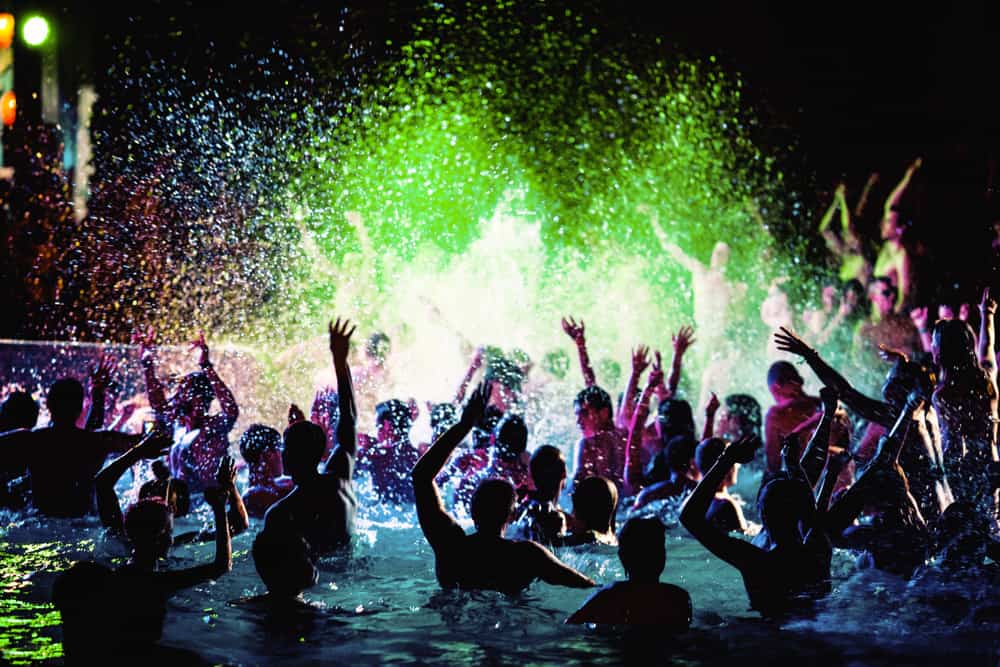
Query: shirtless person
[322, 506]
[601, 450]
[484, 559]
[792, 406]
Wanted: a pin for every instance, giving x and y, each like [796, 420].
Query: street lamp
[35, 31]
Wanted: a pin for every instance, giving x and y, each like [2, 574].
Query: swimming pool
[382, 604]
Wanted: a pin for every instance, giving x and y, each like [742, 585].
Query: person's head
[673, 418]
[720, 255]
[283, 562]
[260, 447]
[149, 526]
[556, 363]
[882, 293]
[65, 401]
[595, 500]
[740, 416]
[377, 348]
[593, 410]
[854, 300]
[175, 492]
[642, 548]
[953, 345]
[194, 397]
[443, 416]
[393, 420]
[325, 409]
[785, 504]
[784, 381]
[492, 506]
[905, 377]
[510, 437]
[506, 377]
[548, 471]
[19, 411]
[893, 224]
[706, 455]
[304, 444]
[679, 453]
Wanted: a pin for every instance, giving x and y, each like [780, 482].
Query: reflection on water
[382, 604]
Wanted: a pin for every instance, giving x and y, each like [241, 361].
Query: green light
[35, 31]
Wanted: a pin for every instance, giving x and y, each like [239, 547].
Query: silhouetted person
[260, 447]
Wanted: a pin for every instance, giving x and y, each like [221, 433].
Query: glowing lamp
[6, 30]
[35, 31]
[8, 108]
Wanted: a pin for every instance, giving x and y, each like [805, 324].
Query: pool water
[382, 604]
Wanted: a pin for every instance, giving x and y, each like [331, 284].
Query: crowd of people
[904, 478]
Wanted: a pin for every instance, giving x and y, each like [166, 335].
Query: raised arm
[176, 580]
[736, 552]
[154, 388]
[474, 366]
[713, 406]
[100, 376]
[153, 446]
[640, 361]
[859, 208]
[814, 458]
[987, 336]
[553, 571]
[633, 461]
[230, 411]
[437, 525]
[341, 461]
[576, 332]
[237, 518]
[868, 408]
[689, 263]
[833, 242]
[897, 193]
[682, 340]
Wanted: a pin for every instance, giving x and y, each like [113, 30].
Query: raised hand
[682, 340]
[200, 345]
[828, 397]
[987, 305]
[340, 338]
[656, 374]
[146, 340]
[295, 414]
[640, 360]
[574, 330]
[155, 445]
[100, 375]
[226, 475]
[713, 404]
[475, 408]
[919, 317]
[787, 341]
[840, 191]
[745, 449]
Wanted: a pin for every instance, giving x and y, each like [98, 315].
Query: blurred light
[8, 108]
[6, 30]
[35, 31]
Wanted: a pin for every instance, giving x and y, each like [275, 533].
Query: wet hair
[886, 286]
[675, 418]
[707, 453]
[65, 400]
[175, 492]
[906, 377]
[642, 547]
[197, 385]
[548, 468]
[443, 416]
[304, 444]
[510, 436]
[283, 561]
[506, 372]
[19, 411]
[783, 502]
[956, 344]
[492, 505]
[257, 439]
[596, 398]
[148, 523]
[397, 413]
[377, 346]
[783, 372]
[679, 451]
[556, 363]
[595, 500]
[747, 409]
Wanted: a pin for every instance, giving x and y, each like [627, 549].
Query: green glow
[35, 31]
